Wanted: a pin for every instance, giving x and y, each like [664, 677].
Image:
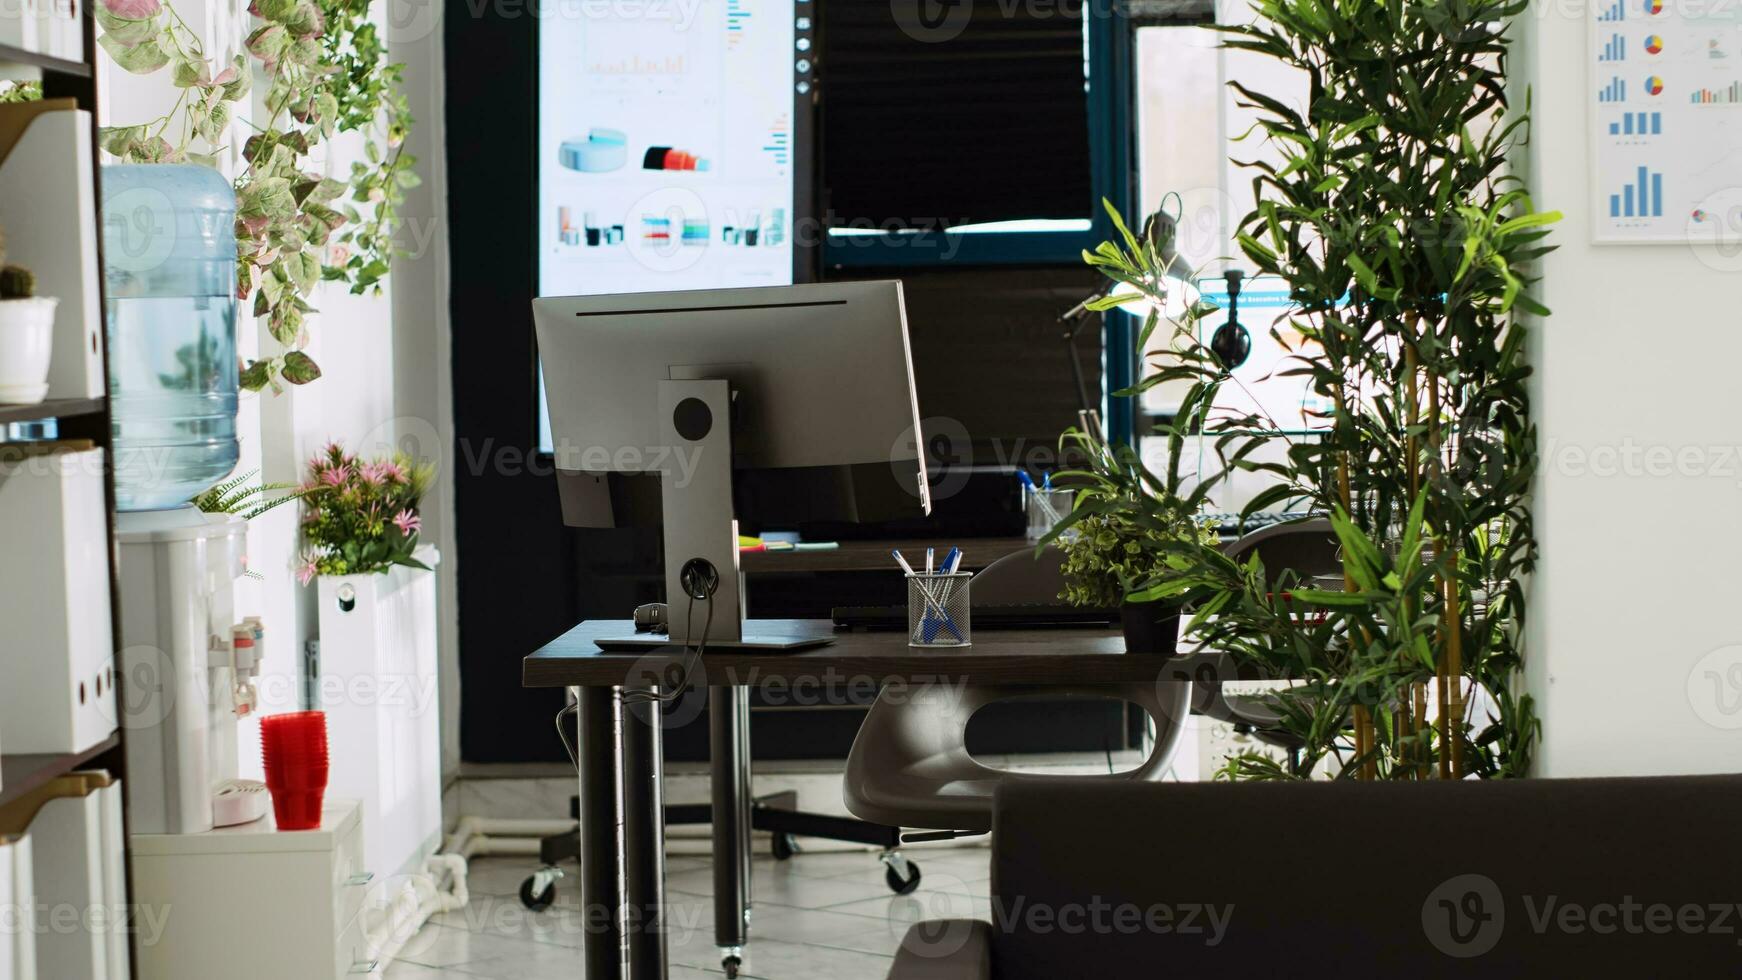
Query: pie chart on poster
[1654, 43]
[1654, 84]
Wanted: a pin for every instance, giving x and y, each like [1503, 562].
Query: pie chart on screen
[1654, 43]
[1654, 84]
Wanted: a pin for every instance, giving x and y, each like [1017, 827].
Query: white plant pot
[378, 686]
[26, 341]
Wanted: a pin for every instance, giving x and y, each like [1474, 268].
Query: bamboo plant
[1389, 209]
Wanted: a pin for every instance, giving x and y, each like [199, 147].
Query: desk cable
[691, 656]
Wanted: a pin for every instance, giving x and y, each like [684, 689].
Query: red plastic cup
[294, 748]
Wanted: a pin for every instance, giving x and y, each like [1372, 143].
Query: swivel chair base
[776, 813]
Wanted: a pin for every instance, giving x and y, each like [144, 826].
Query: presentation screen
[668, 145]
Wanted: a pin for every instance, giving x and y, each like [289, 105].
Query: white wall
[1634, 605]
[422, 376]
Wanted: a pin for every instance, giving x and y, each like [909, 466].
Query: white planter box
[378, 663]
[59, 692]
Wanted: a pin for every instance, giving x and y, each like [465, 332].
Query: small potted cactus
[26, 335]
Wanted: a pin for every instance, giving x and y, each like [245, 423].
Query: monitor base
[758, 635]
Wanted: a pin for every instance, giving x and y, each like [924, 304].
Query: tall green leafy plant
[1388, 207]
[328, 73]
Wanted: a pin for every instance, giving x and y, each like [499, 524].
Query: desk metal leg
[601, 864]
[644, 842]
[729, 737]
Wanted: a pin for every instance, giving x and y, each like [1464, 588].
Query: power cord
[700, 586]
[645, 697]
[689, 662]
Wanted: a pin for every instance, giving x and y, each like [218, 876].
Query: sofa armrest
[945, 949]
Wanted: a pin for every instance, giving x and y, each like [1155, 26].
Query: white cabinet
[252, 902]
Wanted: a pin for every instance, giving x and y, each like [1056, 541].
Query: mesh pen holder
[938, 610]
[1046, 508]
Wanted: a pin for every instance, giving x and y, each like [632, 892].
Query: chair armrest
[945, 949]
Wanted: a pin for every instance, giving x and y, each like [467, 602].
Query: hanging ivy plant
[327, 70]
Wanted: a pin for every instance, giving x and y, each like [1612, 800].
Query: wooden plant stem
[1443, 669]
[1455, 670]
[1412, 421]
[1419, 690]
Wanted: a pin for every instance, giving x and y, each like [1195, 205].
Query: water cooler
[190, 666]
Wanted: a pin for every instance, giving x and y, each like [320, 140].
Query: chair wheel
[900, 885]
[533, 898]
[731, 964]
[785, 846]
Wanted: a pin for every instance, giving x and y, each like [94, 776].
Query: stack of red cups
[294, 747]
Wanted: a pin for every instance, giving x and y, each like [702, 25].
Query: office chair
[1307, 548]
[910, 765]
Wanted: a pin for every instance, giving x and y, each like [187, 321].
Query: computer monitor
[694, 386]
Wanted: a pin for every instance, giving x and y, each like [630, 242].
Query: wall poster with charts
[669, 142]
[1665, 90]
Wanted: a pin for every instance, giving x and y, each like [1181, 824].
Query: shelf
[19, 774]
[54, 408]
[19, 56]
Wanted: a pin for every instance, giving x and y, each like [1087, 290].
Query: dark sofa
[1538, 878]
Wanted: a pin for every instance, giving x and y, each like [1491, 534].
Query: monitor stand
[701, 533]
[758, 634]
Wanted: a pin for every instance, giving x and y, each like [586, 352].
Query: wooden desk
[1037, 656]
[622, 804]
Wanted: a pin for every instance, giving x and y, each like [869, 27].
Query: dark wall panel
[957, 111]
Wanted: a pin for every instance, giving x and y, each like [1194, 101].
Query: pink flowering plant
[360, 516]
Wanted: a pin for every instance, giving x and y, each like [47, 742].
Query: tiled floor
[816, 915]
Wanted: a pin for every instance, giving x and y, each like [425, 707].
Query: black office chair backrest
[1307, 548]
[1021, 579]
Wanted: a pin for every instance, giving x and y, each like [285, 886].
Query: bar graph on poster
[1665, 99]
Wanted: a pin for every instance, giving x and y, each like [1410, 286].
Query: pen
[928, 565]
[933, 606]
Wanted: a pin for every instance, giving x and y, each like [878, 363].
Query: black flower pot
[1150, 627]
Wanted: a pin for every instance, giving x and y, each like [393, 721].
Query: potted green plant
[1126, 539]
[1111, 563]
[1406, 242]
[26, 337]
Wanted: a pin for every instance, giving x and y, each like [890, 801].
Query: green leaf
[268, 42]
[239, 87]
[299, 368]
[140, 59]
[126, 31]
[186, 74]
[256, 375]
[120, 140]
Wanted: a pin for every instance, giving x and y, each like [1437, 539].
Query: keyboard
[995, 617]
